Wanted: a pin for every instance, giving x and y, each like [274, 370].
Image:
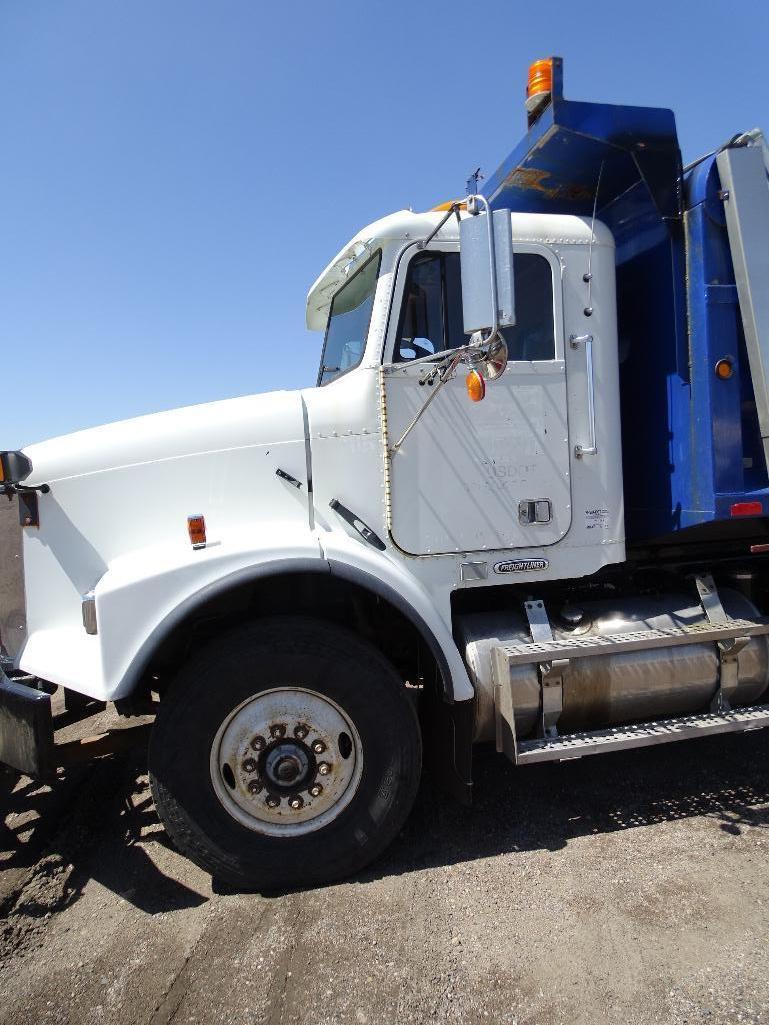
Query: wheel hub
[288, 765]
[286, 761]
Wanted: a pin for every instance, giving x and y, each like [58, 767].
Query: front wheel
[286, 753]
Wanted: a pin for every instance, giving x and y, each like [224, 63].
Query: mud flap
[26, 729]
[447, 735]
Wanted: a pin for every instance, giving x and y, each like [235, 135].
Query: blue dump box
[691, 441]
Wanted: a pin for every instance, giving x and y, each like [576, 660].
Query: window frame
[320, 383]
[401, 273]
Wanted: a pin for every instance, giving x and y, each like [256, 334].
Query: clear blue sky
[175, 173]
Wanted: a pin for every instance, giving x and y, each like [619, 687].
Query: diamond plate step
[636, 640]
[577, 745]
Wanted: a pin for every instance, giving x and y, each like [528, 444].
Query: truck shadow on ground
[95, 823]
[105, 826]
[725, 779]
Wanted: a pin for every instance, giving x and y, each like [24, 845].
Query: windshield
[348, 322]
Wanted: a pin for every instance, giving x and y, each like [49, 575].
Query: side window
[533, 337]
[431, 317]
[421, 323]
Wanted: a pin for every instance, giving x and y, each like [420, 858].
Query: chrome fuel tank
[620, 687]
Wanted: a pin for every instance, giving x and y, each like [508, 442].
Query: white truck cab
[437, 527]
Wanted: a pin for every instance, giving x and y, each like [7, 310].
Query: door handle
[575, 341]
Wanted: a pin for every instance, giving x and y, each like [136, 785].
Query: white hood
[272, 417]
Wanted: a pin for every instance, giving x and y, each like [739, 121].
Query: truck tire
[286, 753]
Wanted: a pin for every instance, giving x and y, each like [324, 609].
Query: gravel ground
[629, 888]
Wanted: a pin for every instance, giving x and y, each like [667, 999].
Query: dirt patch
[631, 888]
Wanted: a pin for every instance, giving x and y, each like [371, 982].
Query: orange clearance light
[444, 207]
[724, 369]
[540, 78]
[476, 386]
[196, 527]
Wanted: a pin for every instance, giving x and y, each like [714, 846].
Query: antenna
[588, 278]
[471, 186]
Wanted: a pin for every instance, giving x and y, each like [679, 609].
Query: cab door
[474, 476]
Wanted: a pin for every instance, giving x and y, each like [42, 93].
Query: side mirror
[486, 258]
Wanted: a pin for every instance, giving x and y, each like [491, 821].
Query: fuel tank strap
[728, 650]
[551, 673]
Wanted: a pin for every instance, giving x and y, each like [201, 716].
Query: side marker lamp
[88, 609]
[196, 527]
[724, 369]
[746, 509]
[476, 386]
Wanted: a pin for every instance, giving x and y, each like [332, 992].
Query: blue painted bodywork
[691, 444]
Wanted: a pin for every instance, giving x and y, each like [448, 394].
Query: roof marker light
[443, 207]
[540, 83]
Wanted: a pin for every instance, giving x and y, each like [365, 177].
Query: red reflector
[196, 525]
[758, 549]
[747, 509]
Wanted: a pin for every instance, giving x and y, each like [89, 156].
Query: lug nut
[324, 768]
[272, 801]
[300, 731]
[319, 747]
[249, 765]
[296, 803]
[316, 790]
[278, 730]
[257, 743]
[255, 787]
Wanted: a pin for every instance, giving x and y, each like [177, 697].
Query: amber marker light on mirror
[196, 527]
[476, 386]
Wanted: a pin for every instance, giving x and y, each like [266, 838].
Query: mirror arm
[445, 375]
[454, 208]
[434, 357]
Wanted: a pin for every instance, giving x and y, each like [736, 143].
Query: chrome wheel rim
[286, 762]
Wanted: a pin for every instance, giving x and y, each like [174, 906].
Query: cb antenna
[471, 186]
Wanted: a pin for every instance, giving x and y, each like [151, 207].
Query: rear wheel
[286, 753]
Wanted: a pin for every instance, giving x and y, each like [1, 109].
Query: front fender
[145, 593]
[387, 576]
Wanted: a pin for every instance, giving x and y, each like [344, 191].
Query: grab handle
[575, 341]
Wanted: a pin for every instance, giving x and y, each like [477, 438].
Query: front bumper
[26, 729]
